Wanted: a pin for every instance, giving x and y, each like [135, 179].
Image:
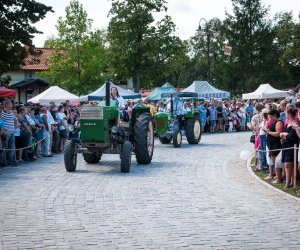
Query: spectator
[220, 118]
[46, 143]
[18, 140]
[202, 115]
[289, 138]
[25, 133]
[10, 122]
[40, 133]
[62, 127]
[263, 138]
[273, 141]
[3, 134]
[212, 117]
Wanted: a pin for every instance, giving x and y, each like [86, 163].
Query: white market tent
[205, 90]
[100, 93]
[265, 91]
[54, 94]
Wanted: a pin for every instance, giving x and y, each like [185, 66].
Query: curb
[267, 184]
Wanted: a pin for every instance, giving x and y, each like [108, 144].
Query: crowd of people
[32, 131]
[276, 130]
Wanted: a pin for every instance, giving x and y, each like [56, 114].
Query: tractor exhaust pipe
[172, 106]
[107, 93]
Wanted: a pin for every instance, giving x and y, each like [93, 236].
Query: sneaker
[48, 155]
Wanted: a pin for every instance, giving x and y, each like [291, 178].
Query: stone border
[249, 161]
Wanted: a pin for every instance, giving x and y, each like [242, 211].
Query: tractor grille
[91, 113]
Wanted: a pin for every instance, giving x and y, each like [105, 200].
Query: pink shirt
[257, 142]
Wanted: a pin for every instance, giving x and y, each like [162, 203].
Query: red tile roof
[37, 62]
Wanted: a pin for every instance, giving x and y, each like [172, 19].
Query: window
[28, 75]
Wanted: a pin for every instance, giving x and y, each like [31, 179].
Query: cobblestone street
[195, 197]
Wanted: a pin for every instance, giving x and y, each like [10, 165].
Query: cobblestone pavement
[195, 197]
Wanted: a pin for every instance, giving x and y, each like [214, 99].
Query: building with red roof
[25, 81]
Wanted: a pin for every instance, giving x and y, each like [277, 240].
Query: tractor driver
[179, 110]
[114, 94]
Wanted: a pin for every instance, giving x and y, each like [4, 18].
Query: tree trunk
[137, 84]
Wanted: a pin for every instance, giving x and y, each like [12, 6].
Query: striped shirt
[9, 120]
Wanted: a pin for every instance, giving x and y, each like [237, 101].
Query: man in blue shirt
[202, 114]
[212, 116]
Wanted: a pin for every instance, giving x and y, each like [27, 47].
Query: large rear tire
[165, 140]
[91, 157]
[70, 157]
[193, 131]
[177, 138]
[126, 157]
[144, 139]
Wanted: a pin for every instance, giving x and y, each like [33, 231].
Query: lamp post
[210, 32]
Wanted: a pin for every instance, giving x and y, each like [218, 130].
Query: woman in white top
[114, 94]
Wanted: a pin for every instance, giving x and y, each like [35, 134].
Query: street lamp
[210, 32]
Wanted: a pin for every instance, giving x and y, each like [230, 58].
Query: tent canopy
[168, 85]
[205, 90]
[100, 93]
[4, 92]
[155, 95]
[54, 94]
[265, 91]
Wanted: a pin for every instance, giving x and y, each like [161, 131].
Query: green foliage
[80, 54]
[4, 81]
[17, 30]
[139, 47]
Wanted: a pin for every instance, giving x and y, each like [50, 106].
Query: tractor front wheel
[91, 157]
[126, 157]
[165, 140]
[144, 139]
[177, 138]
[193, 131]
[70, 157]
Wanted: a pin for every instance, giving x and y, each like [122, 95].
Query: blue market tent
[155, 95]
[168, 85]
[100, 93]
[205, 90]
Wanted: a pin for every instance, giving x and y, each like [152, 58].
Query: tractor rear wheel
[144, 139]
[70, 157]
[193, 131]
[91, 157]
[177, 138]
[126, 157]
[165, 140]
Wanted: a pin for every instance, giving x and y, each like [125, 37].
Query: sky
[186, 14]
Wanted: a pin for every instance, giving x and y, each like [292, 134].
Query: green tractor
[102, 132]
[169, 126]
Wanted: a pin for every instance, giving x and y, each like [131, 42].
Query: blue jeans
[9, 143]
[263, 143]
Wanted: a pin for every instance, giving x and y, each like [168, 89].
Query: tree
[17, 30]
[250, 34]
[80, 54]
[138, 47]
[287, 48]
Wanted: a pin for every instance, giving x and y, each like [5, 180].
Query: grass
[295, 192]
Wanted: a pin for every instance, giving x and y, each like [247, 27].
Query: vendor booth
[54, 94]
[205, 90]
[265, 91]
